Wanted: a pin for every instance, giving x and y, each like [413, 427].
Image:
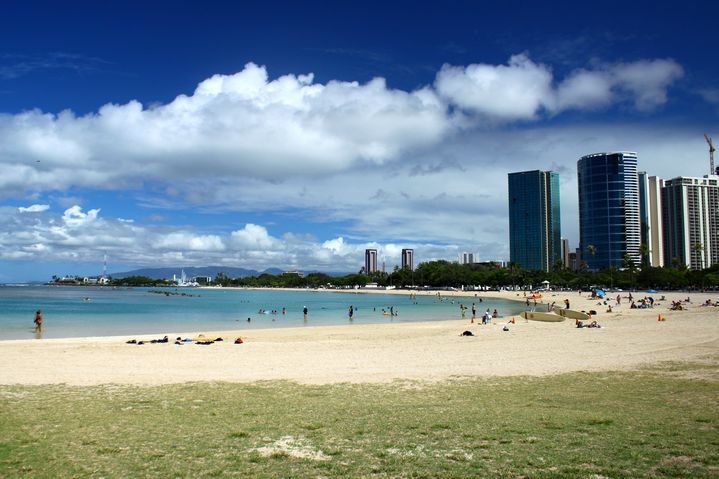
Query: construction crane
[711, 155]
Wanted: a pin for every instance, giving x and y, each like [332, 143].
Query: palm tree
[630, 267]
[591, 249]
[644, 251]
[513, 268]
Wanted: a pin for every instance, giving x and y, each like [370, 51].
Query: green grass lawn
[651, 423]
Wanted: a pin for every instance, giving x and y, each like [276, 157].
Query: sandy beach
[628, 339]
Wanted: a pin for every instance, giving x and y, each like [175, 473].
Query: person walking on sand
[38, 321]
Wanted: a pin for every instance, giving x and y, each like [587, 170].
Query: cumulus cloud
[242, 125]
[522, 89]
[53, 239]
[33, 209]
[517, 90]
[249, 125]
[74, 217]
[252, 237]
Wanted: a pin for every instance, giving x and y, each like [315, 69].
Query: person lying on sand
[593, 324]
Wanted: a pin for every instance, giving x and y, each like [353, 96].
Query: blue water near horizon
[74, 311]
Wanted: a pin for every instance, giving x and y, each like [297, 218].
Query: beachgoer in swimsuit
[38, 321]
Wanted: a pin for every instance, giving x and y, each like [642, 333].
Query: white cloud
[584, 89]
[74, 216]
[647, 80]
[23, 239]
[239, 125]
[182, 241]
[252, 237]
[522, 89]
[248, 125]
[34, 209]
[517, 90]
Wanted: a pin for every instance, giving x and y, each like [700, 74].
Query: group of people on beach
[486, 317]
[200, 340]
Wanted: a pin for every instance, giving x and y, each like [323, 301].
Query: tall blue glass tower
[534, 222]
[609, 217]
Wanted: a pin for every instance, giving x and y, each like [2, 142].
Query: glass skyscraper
[609, 226]
[534, 223]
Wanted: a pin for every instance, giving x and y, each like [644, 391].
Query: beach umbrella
[651, 291]
[600, 293]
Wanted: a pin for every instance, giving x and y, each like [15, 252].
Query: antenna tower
[712, 171]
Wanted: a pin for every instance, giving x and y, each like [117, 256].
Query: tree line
[439, 274]
[442, 274]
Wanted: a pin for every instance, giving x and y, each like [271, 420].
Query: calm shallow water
[100, 311]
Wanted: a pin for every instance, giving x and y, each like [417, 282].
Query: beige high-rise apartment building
[690, 213]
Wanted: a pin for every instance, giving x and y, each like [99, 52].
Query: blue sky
[296, 135]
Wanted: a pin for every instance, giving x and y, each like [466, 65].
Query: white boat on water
[184, 283]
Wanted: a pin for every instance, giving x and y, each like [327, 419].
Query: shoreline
[380, 353]
[230, 328]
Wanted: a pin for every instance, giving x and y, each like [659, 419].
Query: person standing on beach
[38, 321]
[566, 303]
[474, 311]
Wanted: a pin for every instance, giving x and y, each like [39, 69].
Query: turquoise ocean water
[101, 311]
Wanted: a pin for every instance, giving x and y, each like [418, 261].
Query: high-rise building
[650, 219]
[468, 258]
[534, 221]
[577, 260]
[565, 252]
[691, 221]
[408, 259]
[370, 261]
[609, 228]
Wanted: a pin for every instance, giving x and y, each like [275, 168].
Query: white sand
[383, 352]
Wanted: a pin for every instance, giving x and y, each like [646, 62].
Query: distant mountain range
[190, 271]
